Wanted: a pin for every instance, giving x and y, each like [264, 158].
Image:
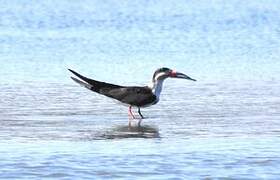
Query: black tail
[96, 85]
[90, 81]
[82, 83]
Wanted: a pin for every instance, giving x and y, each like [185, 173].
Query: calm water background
[225, 125]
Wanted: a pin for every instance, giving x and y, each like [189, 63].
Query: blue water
[225, 125]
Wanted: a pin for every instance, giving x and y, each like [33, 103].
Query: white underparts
[157, 84]
[157, 87]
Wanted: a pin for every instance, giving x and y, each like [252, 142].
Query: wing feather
[133, 95]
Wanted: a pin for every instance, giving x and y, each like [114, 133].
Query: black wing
[133, 95]
[136, 96]
[96, 85]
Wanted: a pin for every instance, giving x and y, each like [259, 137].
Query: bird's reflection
[120, 132]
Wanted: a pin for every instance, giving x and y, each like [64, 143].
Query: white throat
[157, 87]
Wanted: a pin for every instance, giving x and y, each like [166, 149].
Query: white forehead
[160, 75]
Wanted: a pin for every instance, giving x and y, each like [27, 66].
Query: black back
[132, 95]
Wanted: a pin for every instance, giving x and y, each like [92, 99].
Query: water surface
[225, 125]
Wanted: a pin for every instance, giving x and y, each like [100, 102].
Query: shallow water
[225, 125]
[213, 130]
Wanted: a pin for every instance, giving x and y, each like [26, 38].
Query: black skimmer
[133, 96]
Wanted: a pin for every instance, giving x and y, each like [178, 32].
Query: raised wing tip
[71, 70]
[77, 74]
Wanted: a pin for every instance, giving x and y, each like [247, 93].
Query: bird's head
[163, 73]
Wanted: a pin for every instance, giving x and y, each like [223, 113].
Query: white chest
[157, 88]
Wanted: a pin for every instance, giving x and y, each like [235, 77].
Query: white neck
[156, 87]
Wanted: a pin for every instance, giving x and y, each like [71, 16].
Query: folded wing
[132, 95]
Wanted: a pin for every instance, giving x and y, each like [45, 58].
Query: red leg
[130, 113]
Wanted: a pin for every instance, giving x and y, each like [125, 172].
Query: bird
[133, 96]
